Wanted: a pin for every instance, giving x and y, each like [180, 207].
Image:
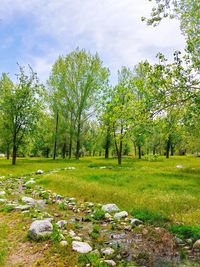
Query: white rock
[61, 223]
[110, 208]
[81, 247]
[2, 200]
[39, 172]
[28, 200]
[121, 215]
[77, 238]
[33, 202]
[70, 168]
[63, 243]
[30, 182]
[179, 166]
[22, 207]
[72, 199]
[107, 251]
[72, 233]
[40, 229]
[135, 221]
[110, 262]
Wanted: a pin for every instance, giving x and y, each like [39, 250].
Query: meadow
[153, 189]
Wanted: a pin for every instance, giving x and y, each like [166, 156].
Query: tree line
[153, 109]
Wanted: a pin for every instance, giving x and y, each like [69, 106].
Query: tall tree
[81, 76]
[20, 107]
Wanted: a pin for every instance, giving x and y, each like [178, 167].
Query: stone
[39, 172]
[81, 247]
[70, 168]
[40, 229]
[120, 215]
[30, 182]
[3, 200]
[77, 238]
[72, 233]
[28, 200]
[110, 262]
[63, 243]
[107, 216]
[197, 244]
[61, 223]
[107, 251]
[179, 166]
[33, 202]
[22, 207]
[110, 208]
[135, 221]
[72, 199]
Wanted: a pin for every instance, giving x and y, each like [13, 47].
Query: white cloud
[111, 27]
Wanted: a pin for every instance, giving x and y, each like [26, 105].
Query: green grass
[155, 191]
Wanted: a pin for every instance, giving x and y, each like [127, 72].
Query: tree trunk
[64, 151]
[168, 147]
[47, 152]
[120, 153]
[8, 151]
[135, 150]
[172, 150]
[107, 146]
[154, 150]
[139, 152]
[70, 137]
[78, 140]
[55, 138]
[14, 154]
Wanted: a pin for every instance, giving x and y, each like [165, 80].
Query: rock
[33, 202]
[61, 223]
[2, 193]
[30, 182]
[72, 199]
[107, 251]
[81, 247]
[135, 221]
[63, 243]
[72, 233]
[121, 215]
[107, 216]
[110, 262]
[3, 200]
[70, 168]
[197, 244]
[39, 172]
[179, 166]
[28, 200]
[40, 229]
[110, 208]
[22, 207]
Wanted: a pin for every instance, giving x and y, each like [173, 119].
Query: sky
[36, 32]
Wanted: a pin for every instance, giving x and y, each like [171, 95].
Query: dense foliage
[154, 108]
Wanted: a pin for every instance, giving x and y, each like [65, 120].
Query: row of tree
[154, 108]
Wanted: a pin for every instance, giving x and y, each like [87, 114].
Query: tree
[81, 76]
[20, 107]
[187, 11]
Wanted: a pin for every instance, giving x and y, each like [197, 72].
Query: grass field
[155, 189]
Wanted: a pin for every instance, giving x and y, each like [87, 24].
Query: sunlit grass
[157, 186]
